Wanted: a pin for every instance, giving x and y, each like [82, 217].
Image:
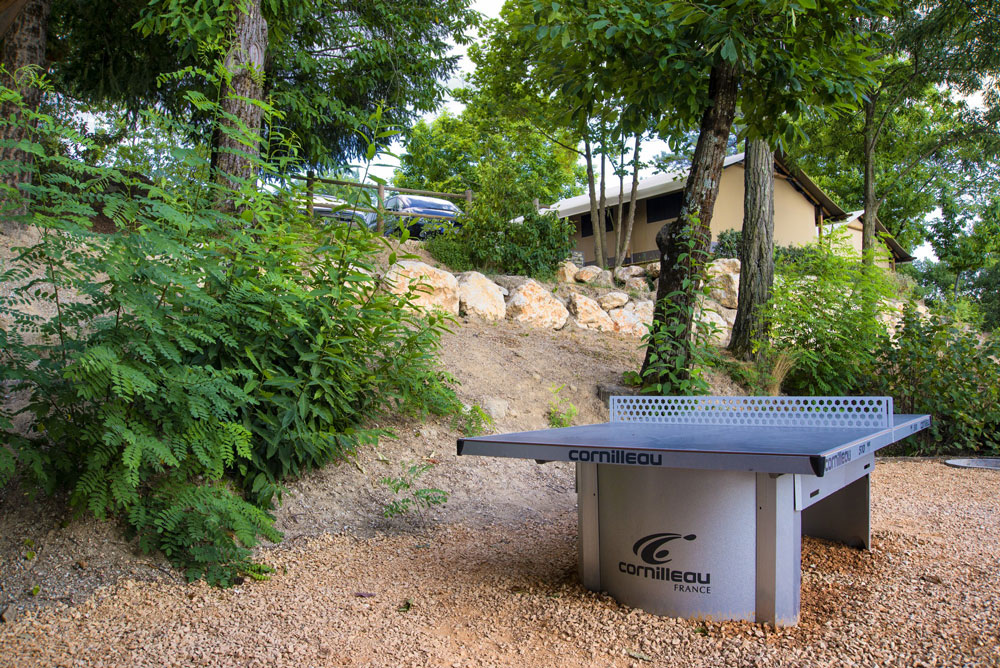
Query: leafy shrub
[192, 363]
[827, 312]
[491, 240]
[677, 363]
[935, 365]
[728, 246]
[408, 494]
[561, 410]
[450, 249]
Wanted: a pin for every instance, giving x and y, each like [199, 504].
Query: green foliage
[678, 356]
[494, 240]
[450, 249]
[178, 371]
[472, 421]
[328, 65]
[728, 245]
[935, 365]
[409, 495]
[826, 311]
[561, 411]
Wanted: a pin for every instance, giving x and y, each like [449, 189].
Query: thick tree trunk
[756, 249]
[631, 207]
[684, 243]
[594, 209]
[870, 203]
[245, 61]
[23, 46]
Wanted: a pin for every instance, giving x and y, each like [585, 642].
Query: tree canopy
[329, 63]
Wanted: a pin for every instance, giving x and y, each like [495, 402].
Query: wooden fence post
[380, 225]
[309, 192]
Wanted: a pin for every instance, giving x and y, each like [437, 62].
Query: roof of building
[898, 253]
[660, 184]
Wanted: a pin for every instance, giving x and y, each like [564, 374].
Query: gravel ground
[507, 594]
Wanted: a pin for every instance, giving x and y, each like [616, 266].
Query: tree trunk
[870, 204]
[631, 207]
[684, 243]
[756, 249]
[599, 229]
[23, 46]
[594, 209]
[618, 255]
[245, 62]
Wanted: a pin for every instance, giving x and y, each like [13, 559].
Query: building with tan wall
[801, 211]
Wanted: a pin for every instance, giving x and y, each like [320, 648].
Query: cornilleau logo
[652, 551]
[650, 547]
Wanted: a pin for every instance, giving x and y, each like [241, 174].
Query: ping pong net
[830, 412]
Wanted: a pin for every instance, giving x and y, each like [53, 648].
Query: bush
[193, 363]
[935, 365]
[491, 241]
[827, 312]
[728, 246]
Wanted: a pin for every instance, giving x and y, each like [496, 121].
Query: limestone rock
[622, 274]
[533, 305]
[481, 297]
[725, 265]
[605, 279]
[496, 408]
[587, 274]
[637, 283]
[613, 300]
[630, 319]
[725, 289]
[566, 272]
[644, 309]
[708, 314]
[589, 314]
[509, 283]
[433, 288]
[653, 270]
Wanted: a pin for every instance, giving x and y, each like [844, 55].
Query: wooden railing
[312, 180]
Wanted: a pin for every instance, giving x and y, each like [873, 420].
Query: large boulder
[605, 279]
[432, 287]
[637, 284]
[725, 289]
[533, 305]
[633, 319]
[481, 297]
[566, 272]
[612, 300]
[725, 265]
[587, 274]
[589, 314]
[622, 274]
[711, 313]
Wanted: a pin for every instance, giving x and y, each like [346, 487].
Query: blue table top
[808, 450]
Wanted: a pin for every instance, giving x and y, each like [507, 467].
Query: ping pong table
[696, 506]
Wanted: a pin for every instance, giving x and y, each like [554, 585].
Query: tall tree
[329, 63]
[701, 62]
[911, 134]
[242, 93]
[513, 68]
[23, 47]
[756, 248]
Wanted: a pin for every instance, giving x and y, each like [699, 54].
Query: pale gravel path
[928, 594]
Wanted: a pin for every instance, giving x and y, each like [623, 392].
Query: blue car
[421, 228]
